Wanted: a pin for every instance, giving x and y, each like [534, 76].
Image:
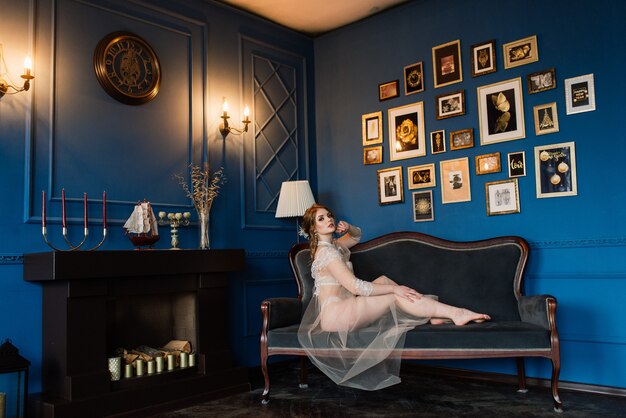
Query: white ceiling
[313, 17]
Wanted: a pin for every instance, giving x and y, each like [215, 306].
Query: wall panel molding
[579, 243]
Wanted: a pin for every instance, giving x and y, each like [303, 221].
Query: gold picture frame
[423, 206]
[390, 186]
[483, 58]
[421, 176]
[447, 68]
[501, 111]
[546, 118]
[488, 163]
[406, 131]
[455, 180]
[461, 139]
[502, 197]
[414, 78]
[373, 155]
[520, 52]
[372, 128]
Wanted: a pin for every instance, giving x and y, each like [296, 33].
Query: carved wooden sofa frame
[521, 326]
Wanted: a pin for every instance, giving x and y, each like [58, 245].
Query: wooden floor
[419, 395]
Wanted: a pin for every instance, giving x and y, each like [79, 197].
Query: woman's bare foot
[440, 321]
[465, 315]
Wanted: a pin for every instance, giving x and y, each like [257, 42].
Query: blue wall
[578, 252]
[66, 132]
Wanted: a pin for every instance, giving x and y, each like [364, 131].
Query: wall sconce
[5, 86]
[225, 129]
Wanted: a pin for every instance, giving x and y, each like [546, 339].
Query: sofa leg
[265, 398]
[521, 375]
[303, 373]
[556, 370]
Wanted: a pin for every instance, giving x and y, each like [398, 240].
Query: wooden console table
[81, 290]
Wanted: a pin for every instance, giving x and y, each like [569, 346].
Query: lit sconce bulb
[28, 66]
[246, 114]
[225, 106]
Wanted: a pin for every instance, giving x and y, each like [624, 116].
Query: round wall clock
[127, 68]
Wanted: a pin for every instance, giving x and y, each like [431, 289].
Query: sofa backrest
[484, 276]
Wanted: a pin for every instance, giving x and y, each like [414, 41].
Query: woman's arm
[356, 286]
[352, 237]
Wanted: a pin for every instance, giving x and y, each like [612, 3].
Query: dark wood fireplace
[95, 302]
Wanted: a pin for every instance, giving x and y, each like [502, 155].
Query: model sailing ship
[141, 227]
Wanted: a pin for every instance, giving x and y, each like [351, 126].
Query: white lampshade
[294, 199]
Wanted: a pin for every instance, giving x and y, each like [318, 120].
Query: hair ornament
[303, 233]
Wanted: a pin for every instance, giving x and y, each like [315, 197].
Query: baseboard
[255, 373]
[511, 379]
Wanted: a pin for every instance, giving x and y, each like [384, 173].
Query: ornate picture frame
[388, 90]
[546, 118]
[421, 176]
[502, 197]
[555, 170]
[488, 163]
[414, 78]
[450, 105]
[372, 128]
[455, 180]
[483, 58]
[580, 94]
[541, 81]
[501, 111]
[447, 67]
[461, 139]
[438, 141]
[373, 155]
[423, 206]
[520, 52]
[390, 186]
[406, 131]
[517, 164]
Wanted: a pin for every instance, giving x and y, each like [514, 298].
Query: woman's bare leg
[429, 308]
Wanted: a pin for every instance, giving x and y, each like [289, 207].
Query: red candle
[104, 210]
[85, 208]
[43, 208]
[63, 219]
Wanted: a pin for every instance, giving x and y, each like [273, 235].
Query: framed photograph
[372, 128]
[580, 94]
[455, 180]
[452, 104]
[483, 58]
[502, 197]
[388, 90]
[447, 64]
[488, 163]
[413, 78]
[541, 80]
[463, 138]
[390, 186]
[423, 206]
[520, 52]
[406, 131]
[373, 155]
[421, 176]
[546, 119]
[438, 142]
[517, 163]
[501, 112]
[555, 170]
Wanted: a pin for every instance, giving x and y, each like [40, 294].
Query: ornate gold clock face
[127, 68]
[414, 79]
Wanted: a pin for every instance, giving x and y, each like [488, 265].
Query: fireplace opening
[150, 320]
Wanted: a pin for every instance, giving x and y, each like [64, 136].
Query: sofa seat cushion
[492, 335]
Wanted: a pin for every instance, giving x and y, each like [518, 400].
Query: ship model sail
[141, 227]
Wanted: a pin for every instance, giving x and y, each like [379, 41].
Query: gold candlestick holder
[175, 221]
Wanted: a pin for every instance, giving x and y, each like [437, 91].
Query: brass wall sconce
[226, 129]
[6, 85]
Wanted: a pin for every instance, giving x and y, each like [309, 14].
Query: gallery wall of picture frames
[500, 110]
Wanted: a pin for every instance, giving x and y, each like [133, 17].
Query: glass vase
[203, 229]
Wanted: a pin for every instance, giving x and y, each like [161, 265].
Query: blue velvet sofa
[484, 276]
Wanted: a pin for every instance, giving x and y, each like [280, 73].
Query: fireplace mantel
[81, 291]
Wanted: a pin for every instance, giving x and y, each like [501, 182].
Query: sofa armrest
[538, 310]
[281, 312]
